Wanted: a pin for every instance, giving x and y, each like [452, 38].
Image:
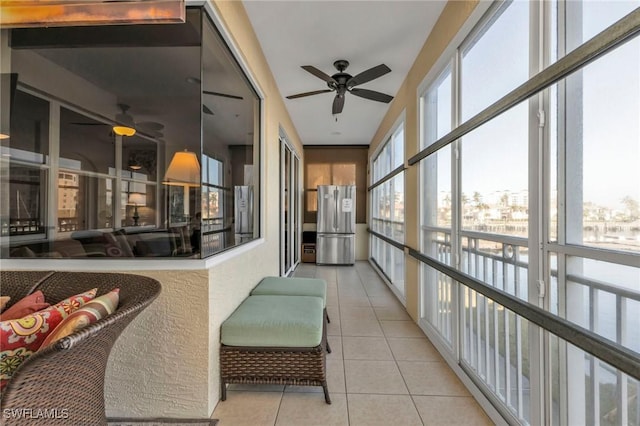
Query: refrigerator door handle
[336, 195]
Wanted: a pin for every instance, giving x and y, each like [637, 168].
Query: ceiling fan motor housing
[341, 78]
[341, 64]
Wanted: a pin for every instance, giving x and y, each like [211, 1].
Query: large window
[437, 208]
[541, 203]
[134, 141]
[387, 208]
[495, 58]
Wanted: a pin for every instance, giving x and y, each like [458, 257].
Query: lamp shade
[137, 199]
[184, 170]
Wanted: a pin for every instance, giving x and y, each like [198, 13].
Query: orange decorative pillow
[25, 306]
[92, 311]
[20, 338]
[3, 301]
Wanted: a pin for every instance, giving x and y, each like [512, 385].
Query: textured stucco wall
[228, 288]
[159, 365]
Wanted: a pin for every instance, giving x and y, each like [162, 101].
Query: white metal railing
[494, 340]
[393, 229]
[389, 257]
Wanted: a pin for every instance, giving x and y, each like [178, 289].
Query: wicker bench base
[273, 366]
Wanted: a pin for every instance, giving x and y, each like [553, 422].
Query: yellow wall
[453, 17]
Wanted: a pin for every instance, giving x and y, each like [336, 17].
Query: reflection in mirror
[29, 128]
[230, 202]
[74, 188]
[85, 144]
[139, 158]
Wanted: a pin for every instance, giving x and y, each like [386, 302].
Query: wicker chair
[66, 380]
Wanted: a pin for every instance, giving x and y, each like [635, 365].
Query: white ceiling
[365, 33]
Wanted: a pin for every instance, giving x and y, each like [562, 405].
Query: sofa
[63, 383]
[125, 242]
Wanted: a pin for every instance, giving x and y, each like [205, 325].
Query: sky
[497, 64]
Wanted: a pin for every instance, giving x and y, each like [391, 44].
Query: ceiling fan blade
[224, 95]
[90, 124]
[315, 71]
[338, 104]
[368, 75]
[150, 125]
[151, 133]
[315, 92]
[372, 94]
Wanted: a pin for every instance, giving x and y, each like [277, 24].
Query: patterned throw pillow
[20, 338]
[25, 306]
[92, 311]
[3, 301]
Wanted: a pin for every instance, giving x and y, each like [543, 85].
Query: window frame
[52, 167]
[539, 244]
[386, 169]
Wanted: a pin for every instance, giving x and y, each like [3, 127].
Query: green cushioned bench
[274, 340]
[283, 286]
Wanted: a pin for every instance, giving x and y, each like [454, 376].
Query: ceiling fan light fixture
[124, 123]
[124, 130]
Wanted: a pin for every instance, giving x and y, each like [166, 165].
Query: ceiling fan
[124, 119]
[342, 82]
[205, 108]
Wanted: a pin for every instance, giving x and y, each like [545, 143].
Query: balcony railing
[388, 255]
[494, 344]
[393, 229]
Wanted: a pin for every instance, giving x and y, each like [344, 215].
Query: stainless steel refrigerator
[336, 228]
[243, 214]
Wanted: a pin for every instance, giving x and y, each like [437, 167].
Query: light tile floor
[382, 371]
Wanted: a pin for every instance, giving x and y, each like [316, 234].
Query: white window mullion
[282, 197]
[570, 145]
[622, 382]
[52, 180]
[458, 293]
[118, 220]
[538, 129]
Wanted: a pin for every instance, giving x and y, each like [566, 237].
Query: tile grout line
[275, 421]
[395, 360]
[344, 366]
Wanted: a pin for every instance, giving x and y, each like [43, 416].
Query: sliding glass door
[289, 208]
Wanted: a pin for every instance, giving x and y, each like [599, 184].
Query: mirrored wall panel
[127, 141]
